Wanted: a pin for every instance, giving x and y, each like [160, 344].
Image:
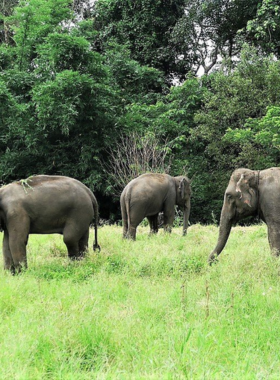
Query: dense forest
[104, 91]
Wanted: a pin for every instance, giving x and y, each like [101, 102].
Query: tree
[145, 28]
[207, 33]
[261, 134]
[230, 101]
[264, 29]
[171, 120]
[32, 21]
[6, 9]
[133, 155]
[64, 108]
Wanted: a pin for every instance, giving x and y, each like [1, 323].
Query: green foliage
[63, 109]
[64, 134]
[7, 57]
[264, 29]
[61, 51]
[136, 82]
[171, 117]
[144, 27]
[260, 131]
[32, 21]
[231, 100]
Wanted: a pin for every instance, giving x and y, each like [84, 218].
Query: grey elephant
[251, 193]
[150, 194]
[45, 205]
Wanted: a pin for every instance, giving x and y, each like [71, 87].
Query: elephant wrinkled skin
[251, 193]
[150, 194]
[44, 205]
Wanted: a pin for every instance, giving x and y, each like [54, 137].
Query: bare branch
[134, 155]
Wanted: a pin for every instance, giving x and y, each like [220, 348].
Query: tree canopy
[80, 80]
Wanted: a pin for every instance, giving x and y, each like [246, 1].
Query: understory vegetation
[148, 309]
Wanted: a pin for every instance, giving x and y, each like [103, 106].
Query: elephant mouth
[240, 215]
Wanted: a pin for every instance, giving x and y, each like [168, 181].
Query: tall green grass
[150, 309]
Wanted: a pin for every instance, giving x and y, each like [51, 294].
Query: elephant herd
[45, 204]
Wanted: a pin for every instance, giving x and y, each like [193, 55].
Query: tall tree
[64, 106]
[145, 27]
[264, 29]
[32, 21]
[207, 33]
[234, 103]
[6, 9]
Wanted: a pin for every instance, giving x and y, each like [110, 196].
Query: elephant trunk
[186, 216]
[224, 231]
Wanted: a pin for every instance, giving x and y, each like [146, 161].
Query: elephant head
[240, 201]
[183, 198]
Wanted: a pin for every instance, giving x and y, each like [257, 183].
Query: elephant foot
[77, 258]
[275, 252]
[153, 232]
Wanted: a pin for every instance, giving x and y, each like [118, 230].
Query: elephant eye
[229, 196]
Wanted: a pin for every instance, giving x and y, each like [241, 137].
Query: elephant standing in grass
[251, 193]
[45, 205]
[150, 194]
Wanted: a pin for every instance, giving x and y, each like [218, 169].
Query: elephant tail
[96, 220]
[125, 207]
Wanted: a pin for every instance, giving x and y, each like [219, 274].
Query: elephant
[152, 193]
[251, 193]
[46, 204]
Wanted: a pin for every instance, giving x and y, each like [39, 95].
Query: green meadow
[150, 309]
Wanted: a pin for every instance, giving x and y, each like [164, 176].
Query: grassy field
[150, 309]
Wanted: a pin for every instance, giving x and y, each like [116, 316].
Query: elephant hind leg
[153, 222]
[72, 248]
[125, 228]
[168, 218]
[83, 244]
[71, 238]
[135, 220]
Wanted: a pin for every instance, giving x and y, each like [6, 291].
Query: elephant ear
[245, 188]
[182, 186]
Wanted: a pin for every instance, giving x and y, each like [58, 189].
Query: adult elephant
[148, 195]
[44, 205]
[251, 193]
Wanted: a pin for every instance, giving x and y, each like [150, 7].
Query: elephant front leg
[169, 216]
[131, 233]
[17, 244]
[7, 256]
[186, 215]
[18, 226]
[274, 238]
[125, 229]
